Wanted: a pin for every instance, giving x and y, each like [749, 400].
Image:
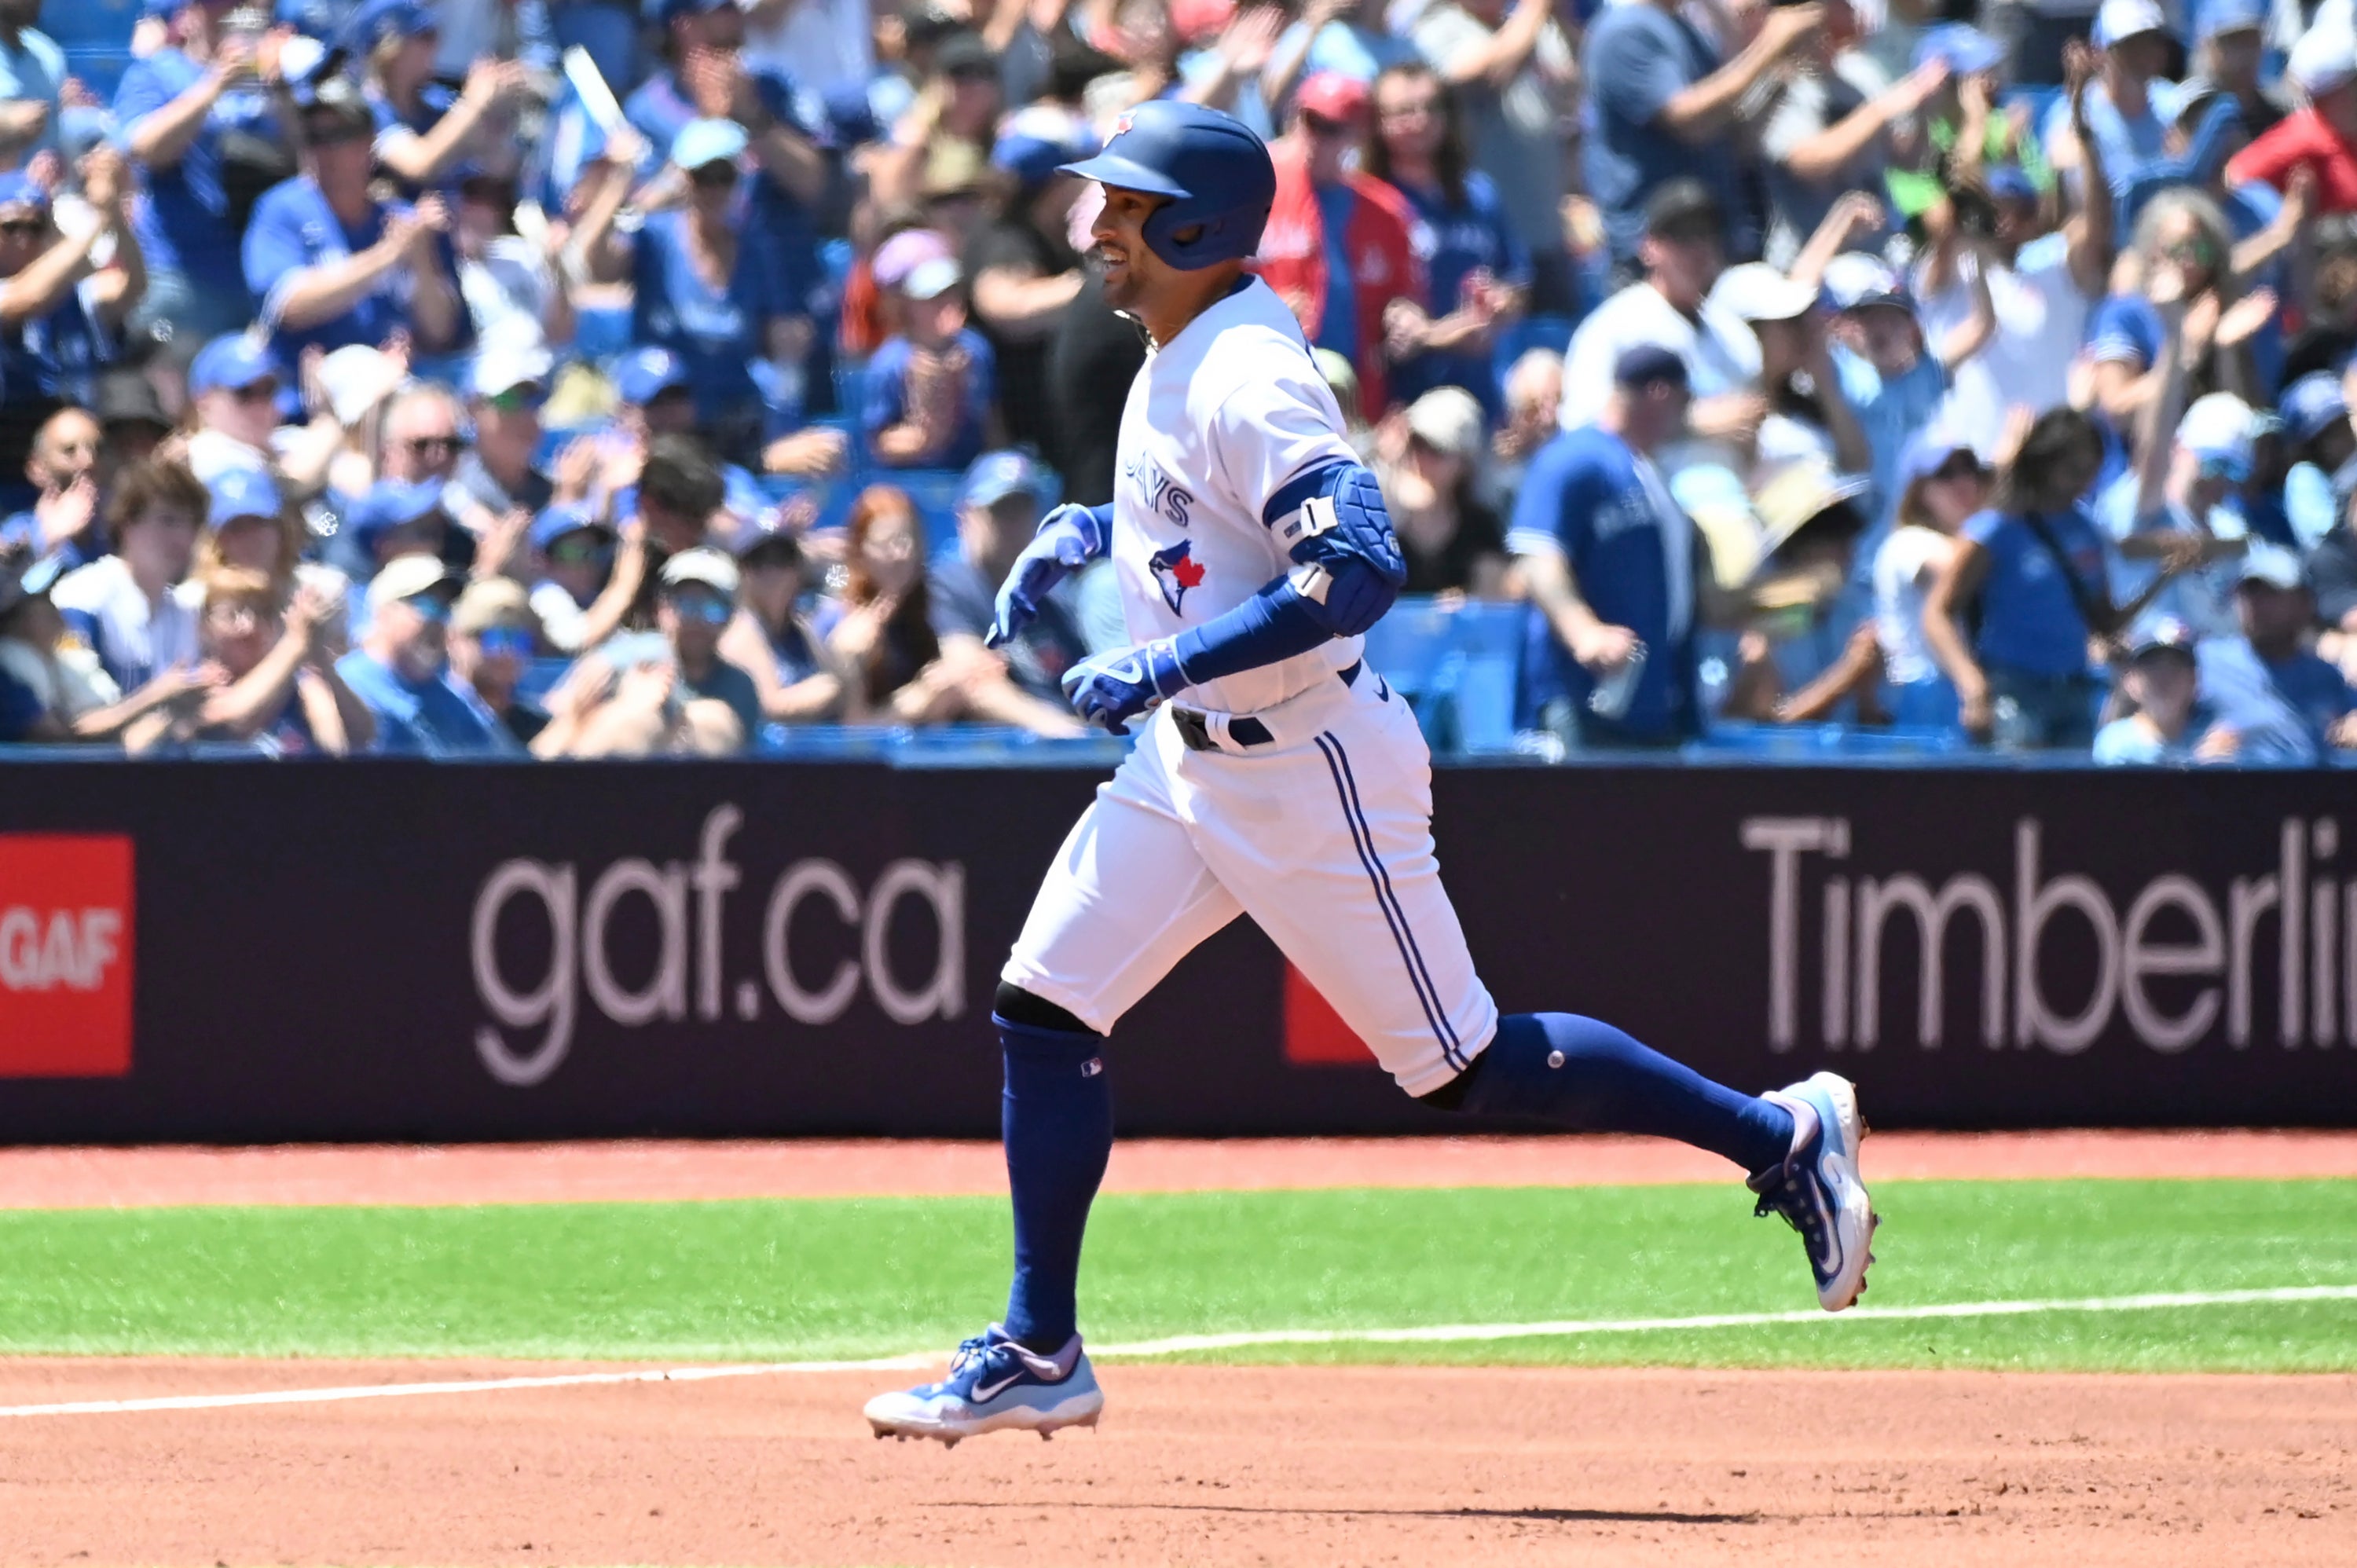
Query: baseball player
[1277, 776]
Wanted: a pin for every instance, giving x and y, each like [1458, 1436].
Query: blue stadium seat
[1458, 670]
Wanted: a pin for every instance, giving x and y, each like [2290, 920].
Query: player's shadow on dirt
[1539, 1516]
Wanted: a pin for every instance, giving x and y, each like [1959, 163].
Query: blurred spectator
[1663, 107]
[1794, 664]
[1339, 249]
[1941, 484]
[334, 265]
[1092, 359]
[197, 118]
[1890, 375]
[1608, 560]
[1347, 37]
[2182, 235]
[2130, 106]
[2229, 56]
[130, 421]
[882, 627]
[1432, 455]
[63, 470]
[574, 546]
[52, 685]
[2041, 284]
[277, 660]
[249, 527]
[402, 668]
[234, 383]
[2274, 699]
[405, 517]
[2320, 137]
[2032, 571]
[697, 601]
[2320, 445]
[1477, 272]
[771, 639]
[1673, 307]
[2159, 680]
[1020, 684]
[1808, 417]
[2183, 487]
[1834, 127]
[945, 139]
[494, 638]
[705, 76]
[510, 287]
[423, 129]
[32, 69]
[929, 387]
[121, 606]
[1534, 395]
[715, 282]
[1509, 68]
[1026, 274]
[60, 317]
[498, 474]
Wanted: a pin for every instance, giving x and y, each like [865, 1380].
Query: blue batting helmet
[1215, 172]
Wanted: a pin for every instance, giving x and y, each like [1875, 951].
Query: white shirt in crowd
[1903, 569]
[137, 638]
[2041, 317]
[822, 45]
[1720, 350]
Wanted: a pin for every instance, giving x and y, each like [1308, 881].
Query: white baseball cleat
[1818, 1188]
[994, 1385]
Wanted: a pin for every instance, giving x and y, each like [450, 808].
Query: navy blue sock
[1057, 1120]
[1584, 1074]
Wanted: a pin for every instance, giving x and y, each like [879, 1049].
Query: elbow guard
[1335, 514]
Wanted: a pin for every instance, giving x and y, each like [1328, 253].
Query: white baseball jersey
[1321, 829]
[1217, 421]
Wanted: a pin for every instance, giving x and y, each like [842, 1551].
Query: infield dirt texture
[2139, 1350]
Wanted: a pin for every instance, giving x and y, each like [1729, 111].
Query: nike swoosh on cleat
[984, 1395]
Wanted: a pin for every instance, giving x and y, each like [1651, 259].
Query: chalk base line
[1187, 1344]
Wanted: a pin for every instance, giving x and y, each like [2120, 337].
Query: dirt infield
[1210, 1466]
[646, 1171]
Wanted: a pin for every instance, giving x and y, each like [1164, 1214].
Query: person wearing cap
[1026, 273]
[494, 637]
[1809, 416]
[704, 72]
[2031, 570]
[694, 602]
[1478, 276]
[2230, 58]
[121, 606]
[931, 388]
[2274, 700]
[2321, 445]
[575, 549]
[403, 516]
[2042, 287]
[61, 317]
[401, 670]
[717, 282]
[1894, 378]
[277, 657]
[131, 419]
[1608, 559]
[1020, 682]
[1673, 307]
[498, 474]
[2320, 135]
[1430, 463]
[1339, 247]
[2130, 106]
[334, 265]
[63, 470]
[1965, 132]
[798, 676]
[1835, 127]
[422, 128]
[1793, 666]
[2162, 679]
[191, 114]
[1665, 106]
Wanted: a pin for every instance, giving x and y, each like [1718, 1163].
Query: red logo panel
[65, 956]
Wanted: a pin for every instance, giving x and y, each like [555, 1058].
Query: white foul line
[1186, 1343]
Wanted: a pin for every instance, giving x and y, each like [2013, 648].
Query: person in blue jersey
[198, 120]
[1477, 268]
[2274, 699]
[423, 129]
[712, 281]
[705, 76]
[402, 669]
[61, 317]
[1608, 559]
[335, 267]
[2032, 567]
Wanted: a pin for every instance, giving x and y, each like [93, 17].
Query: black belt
[1195, 728]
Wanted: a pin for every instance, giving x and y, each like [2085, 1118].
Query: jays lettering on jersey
[1218, 419]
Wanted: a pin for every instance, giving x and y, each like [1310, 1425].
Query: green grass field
[827, 1279]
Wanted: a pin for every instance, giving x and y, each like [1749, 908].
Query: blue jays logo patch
[1176, 570]
[1121, 126]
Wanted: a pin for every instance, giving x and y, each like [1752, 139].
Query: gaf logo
[65, 956]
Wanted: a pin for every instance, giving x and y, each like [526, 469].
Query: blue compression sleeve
[1273, 624]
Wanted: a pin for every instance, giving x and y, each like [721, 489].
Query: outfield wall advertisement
[403, 950]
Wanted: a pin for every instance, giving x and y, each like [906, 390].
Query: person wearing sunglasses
[423, 127]
[402, 668]
[574, 546]
[335, 267]
[719, 281]
[1337, 248]
[400, 517]
[61, 318]
[498, 475]
[696, 602]
[494, 637]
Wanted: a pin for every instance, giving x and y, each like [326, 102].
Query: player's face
[1130, 269]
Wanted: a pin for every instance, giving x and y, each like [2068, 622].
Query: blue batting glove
[1105, 689]
[1069, 538]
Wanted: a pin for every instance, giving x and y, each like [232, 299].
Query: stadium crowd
[569, 378]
